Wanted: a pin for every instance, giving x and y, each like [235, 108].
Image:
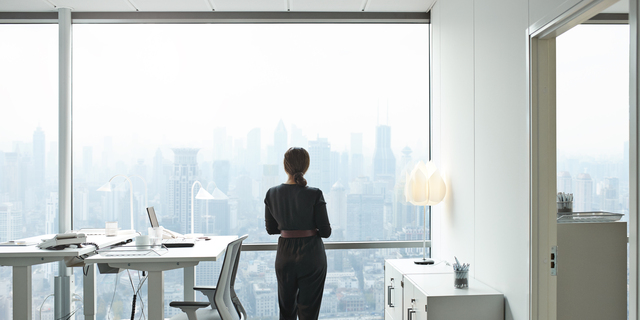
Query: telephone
[168, 234]
[63, 240]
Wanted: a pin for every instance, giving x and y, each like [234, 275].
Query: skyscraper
[565, 182]
[280, 139]
[583, 197]
[611, 194]
[338, 206]
[344, 168]
[624, 177]
[384, 162]
[10, 215]
[280, 145]
[254, 148]
[297, 138]
[219, 208]
[319, 173]
[334, 168]
[87, 162]
[365, 214]
[269, 177]
[220, 148]
[185, 173]
[221, 169]
[357, 159]
[38, 163]
[158, 185]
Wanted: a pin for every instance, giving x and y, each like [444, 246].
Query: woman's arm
[270, 223]
[321, 217]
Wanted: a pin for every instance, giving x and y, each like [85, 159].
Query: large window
[168, 105]
[28, 145]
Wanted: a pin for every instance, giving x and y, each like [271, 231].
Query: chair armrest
[189, 307]
[191, 304]
[209, 292]
[202, 288]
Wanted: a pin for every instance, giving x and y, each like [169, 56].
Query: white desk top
[408, 266]
[204, 250]
[11, 252]
[442, 285]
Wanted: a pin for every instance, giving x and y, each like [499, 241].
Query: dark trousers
[301, 268]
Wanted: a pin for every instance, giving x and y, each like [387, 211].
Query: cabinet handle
[410, 313]
[389, 288]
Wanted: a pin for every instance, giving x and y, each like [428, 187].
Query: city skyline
[363, 213]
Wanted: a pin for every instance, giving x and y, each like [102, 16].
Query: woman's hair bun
[298, 177]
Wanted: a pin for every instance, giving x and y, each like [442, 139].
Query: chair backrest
[234, 296]
[225, 294]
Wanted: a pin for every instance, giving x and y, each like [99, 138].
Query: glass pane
[354, 286]
[593, 117]
[159, 107]
[28, 146]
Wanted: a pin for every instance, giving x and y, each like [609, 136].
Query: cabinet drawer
[415, 303]
[392, 293]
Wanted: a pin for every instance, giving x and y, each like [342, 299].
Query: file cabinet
[413, 291]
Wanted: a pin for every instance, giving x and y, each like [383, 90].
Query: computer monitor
[152, 217]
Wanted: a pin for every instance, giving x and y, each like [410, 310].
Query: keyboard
[127, 254]
[179, 242]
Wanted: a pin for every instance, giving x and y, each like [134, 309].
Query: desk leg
[189, 283]
[156, 295]
[89, 292]
[22, 292]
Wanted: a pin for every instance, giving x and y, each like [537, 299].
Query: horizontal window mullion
[220, 17]
[345, 245]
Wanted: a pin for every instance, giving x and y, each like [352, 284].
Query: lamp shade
[204, 195]
[105, 187]
[425, 186]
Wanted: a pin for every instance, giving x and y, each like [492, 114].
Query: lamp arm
[130, 195]
[192, 201]
[146, 196]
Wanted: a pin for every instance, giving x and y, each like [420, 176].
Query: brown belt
[297, 233]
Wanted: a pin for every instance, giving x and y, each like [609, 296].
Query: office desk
[21, 258]
[175, 258]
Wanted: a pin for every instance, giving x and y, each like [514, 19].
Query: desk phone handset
[63, 240]
[168, 234]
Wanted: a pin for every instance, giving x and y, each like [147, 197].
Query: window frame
[235, 18]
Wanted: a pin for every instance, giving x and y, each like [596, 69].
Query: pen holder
[111, 228]
[565, 206]
[461, 279]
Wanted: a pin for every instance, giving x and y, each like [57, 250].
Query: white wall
[481, 138]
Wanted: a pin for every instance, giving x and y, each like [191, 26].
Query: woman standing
[299, 214]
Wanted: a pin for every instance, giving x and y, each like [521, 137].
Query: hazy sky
[593, 91]
[173, 84]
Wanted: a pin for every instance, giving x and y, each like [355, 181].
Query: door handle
[389, 288]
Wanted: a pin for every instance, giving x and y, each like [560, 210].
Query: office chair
[223, 300]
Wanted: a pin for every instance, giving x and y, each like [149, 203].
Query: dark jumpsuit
[301, 263]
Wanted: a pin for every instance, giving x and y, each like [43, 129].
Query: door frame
[542, 121]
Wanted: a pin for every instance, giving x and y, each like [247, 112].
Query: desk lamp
[203, 195]
[425, 187]
[146, 196]
[107, 188]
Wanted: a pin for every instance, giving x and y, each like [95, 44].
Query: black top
[293, 207]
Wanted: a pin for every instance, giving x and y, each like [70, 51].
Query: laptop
[169, 243]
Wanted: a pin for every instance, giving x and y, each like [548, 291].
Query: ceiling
[235, 5]
[218, 5]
